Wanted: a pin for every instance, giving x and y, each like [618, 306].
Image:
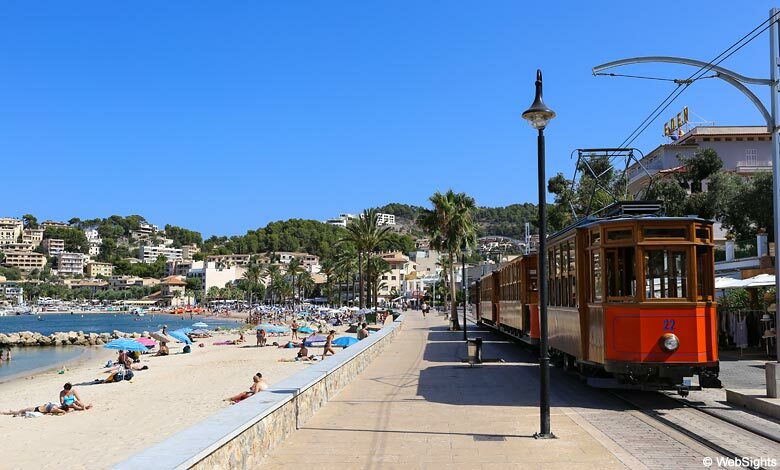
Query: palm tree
[346, 265]
[294, 269]
[305, 284]
[376, 267]
[450, 225]
[273, 273]
[252, 277]
[328, 268]
[365, 234]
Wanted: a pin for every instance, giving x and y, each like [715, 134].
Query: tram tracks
[738, 444]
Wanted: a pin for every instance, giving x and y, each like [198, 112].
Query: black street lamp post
[538, 115]
[465, 290]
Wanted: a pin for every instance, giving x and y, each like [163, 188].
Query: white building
[214, 274]
[54, 246]
[342, 220]
[10, 230]
[384, 219]
[12, 293]
[33, 236]
[149, 253]
[70, 264]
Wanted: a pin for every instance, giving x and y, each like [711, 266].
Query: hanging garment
[741, 333]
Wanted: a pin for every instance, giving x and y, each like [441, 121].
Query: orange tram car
[631, 297]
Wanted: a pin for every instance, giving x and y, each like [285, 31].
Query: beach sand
[176, 391]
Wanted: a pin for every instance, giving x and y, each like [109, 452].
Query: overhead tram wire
[681, 88]
[682, 85]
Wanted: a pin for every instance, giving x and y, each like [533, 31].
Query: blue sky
[223, 116]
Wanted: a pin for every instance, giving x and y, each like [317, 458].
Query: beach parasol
[160, 337]
[305, 329]
[344, 341]
[272, 328]
[125, 344]
[180, 336]
[314, 339]
[200, 324]
[149, 343]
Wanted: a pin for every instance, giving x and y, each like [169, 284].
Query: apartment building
[149, 253]
[70, 264]
[383, 219]
[229, 260]
[17, 247]
[10, 230]
[341, 221]
[178, 268]
[10, 292]
[33, 236]
[24, 260]
[124, 282]
[306, 259]
[188, 251]
[212, 274]
[54, 246]
[393, 280]
[53, 223]
[95, 269]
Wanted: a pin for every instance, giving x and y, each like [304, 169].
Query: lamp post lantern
[538, 116]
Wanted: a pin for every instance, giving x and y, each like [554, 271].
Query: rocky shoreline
[69, 338]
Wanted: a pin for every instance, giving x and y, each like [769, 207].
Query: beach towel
[32, 414]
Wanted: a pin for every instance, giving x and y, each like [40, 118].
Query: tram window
[666, 232]
[596, 270]
[704, 281]
[614, 235]
[595, 238]
[620, 272]
[703, 233]
[666, 274]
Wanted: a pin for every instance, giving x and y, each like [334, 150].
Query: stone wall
[64, 338]
[240, 436]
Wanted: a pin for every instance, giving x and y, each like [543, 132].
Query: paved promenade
[419, 406]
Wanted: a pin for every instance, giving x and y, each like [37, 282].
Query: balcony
[752, 166]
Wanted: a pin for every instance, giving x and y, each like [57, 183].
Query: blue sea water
[26, 360]
[104, 322]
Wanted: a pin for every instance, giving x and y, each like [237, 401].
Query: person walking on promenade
[328, 344]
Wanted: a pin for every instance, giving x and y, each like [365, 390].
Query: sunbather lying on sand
[48, 408]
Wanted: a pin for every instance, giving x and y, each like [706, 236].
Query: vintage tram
[630, 295]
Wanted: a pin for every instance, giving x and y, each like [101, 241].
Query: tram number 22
[669, 324]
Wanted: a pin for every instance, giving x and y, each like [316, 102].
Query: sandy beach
[174, 393]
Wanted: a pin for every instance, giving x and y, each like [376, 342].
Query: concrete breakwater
[69, 338]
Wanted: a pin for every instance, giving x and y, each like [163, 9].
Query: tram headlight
[669, 342]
